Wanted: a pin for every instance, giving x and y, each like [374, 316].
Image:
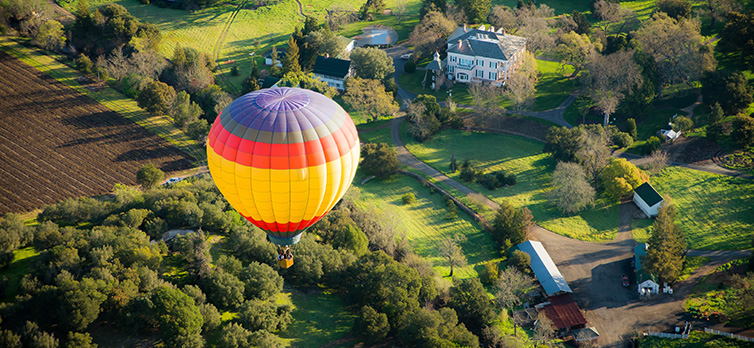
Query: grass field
[523, 157]
[112, 99]
[697, 339]
[424, 223]
[17, 269]
[319, 318]
[715, 211]
[370, 133]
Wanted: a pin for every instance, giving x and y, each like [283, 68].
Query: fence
[728, 334]
[668, 335]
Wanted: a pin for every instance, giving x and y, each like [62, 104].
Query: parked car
[173, 181]
[406, 56]
[625, 280]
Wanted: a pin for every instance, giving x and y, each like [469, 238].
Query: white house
[648, 200]
[334, 71]
[670, 134]
[646, 283]
[483, 55]
[268, 57]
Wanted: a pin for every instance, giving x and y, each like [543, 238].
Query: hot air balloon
[283, 157]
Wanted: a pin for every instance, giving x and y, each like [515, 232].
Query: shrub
[234, 71]
[631, 127]
[653, 143]
[409, 67]
[622, 139]
[491, 271]
[408, 198]
[521, 260]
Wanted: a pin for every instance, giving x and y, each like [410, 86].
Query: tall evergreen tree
[667, 246]
[290, 61]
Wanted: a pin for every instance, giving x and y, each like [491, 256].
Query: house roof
[586, 334]
[564, 312]
[487, 44]
[648, 194]
[281, 53]
[269, 81]
[435, 64]
[332, 67]
[544, 269]
[640, 252]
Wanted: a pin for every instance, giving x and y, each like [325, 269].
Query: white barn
[646, 283]
[648, 200]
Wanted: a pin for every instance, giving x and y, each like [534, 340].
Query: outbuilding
[646, 282]
[648, 200]
[334, 71]
[544, 269]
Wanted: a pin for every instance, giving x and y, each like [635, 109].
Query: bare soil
[56, 143]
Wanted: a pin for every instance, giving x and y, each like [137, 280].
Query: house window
[463, 77]
[466, 62]
[452, 58]
[493, 65]
[493, 76]
[480, 74]
[450, 68]
[479, 62]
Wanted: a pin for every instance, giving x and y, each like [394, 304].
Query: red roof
[564, 313]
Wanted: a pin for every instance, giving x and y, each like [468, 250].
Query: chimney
[327, 55]
[464, 27]
[492, 29]
[458, 44]
[502, 31]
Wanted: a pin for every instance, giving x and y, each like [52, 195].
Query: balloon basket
[285, 263]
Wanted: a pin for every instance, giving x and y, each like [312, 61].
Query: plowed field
[56, 143]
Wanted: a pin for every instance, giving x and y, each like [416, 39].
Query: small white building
[268, 57]
[334, 71]
[648, 200]
[670, 134]
[646, 283]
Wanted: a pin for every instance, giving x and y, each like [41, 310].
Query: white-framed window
[493, 65]
[466, 62]
[480, 62]
[493, 76]
[480, 74]
[463, 77]
[452, 58]
[450, 68]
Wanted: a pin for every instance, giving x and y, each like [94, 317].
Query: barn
[648, 200]
[544, 269]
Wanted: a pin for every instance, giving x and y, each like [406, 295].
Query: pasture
[714, 210]
[66, 144]
[524, 158]
[424, 223]
[319, 318]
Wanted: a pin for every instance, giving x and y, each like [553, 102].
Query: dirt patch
[692, 150]
[56, 143]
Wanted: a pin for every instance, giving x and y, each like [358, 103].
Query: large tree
[451, 251]
[610, 78]
[148, 176]
[736, 37]
[730, 90]
[521, 86]
[472, 304]
[666, 250]
[176, 315]
[620, 178]
[677, 48]
[572, 191]
[372, 63]
[512, 224]
[369, 96]
[423, 113]
[476, 10]
[576, 50]
[431, 34]
[291, 60]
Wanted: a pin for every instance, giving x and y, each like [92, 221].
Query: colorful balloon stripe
[283, 158]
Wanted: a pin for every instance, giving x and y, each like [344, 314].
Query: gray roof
[487, 44]
[544, 269]
[648, 194]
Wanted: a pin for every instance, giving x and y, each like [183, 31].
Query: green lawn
[715, 211]
[554, 86]
[523, 157]
[17, 269]
[697, 339]
[424, 223]
[381, 135]
[413, 84]
[112, 99]
[319, 318]
[560, 6]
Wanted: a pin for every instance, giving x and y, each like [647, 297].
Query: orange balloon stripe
[291, 228]
[283, 156]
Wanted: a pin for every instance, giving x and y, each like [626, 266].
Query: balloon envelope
[283, 157]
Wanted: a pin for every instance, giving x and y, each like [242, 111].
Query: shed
[564, 313]
[670, 134]
[544, 269]
[269, 81]
[648, 200]
[268, 57]
[586, 334]
[646, 283]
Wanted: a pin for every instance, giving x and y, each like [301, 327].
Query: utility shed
[648, 200]
[564, 313]
[544, 269]
[646, 283]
